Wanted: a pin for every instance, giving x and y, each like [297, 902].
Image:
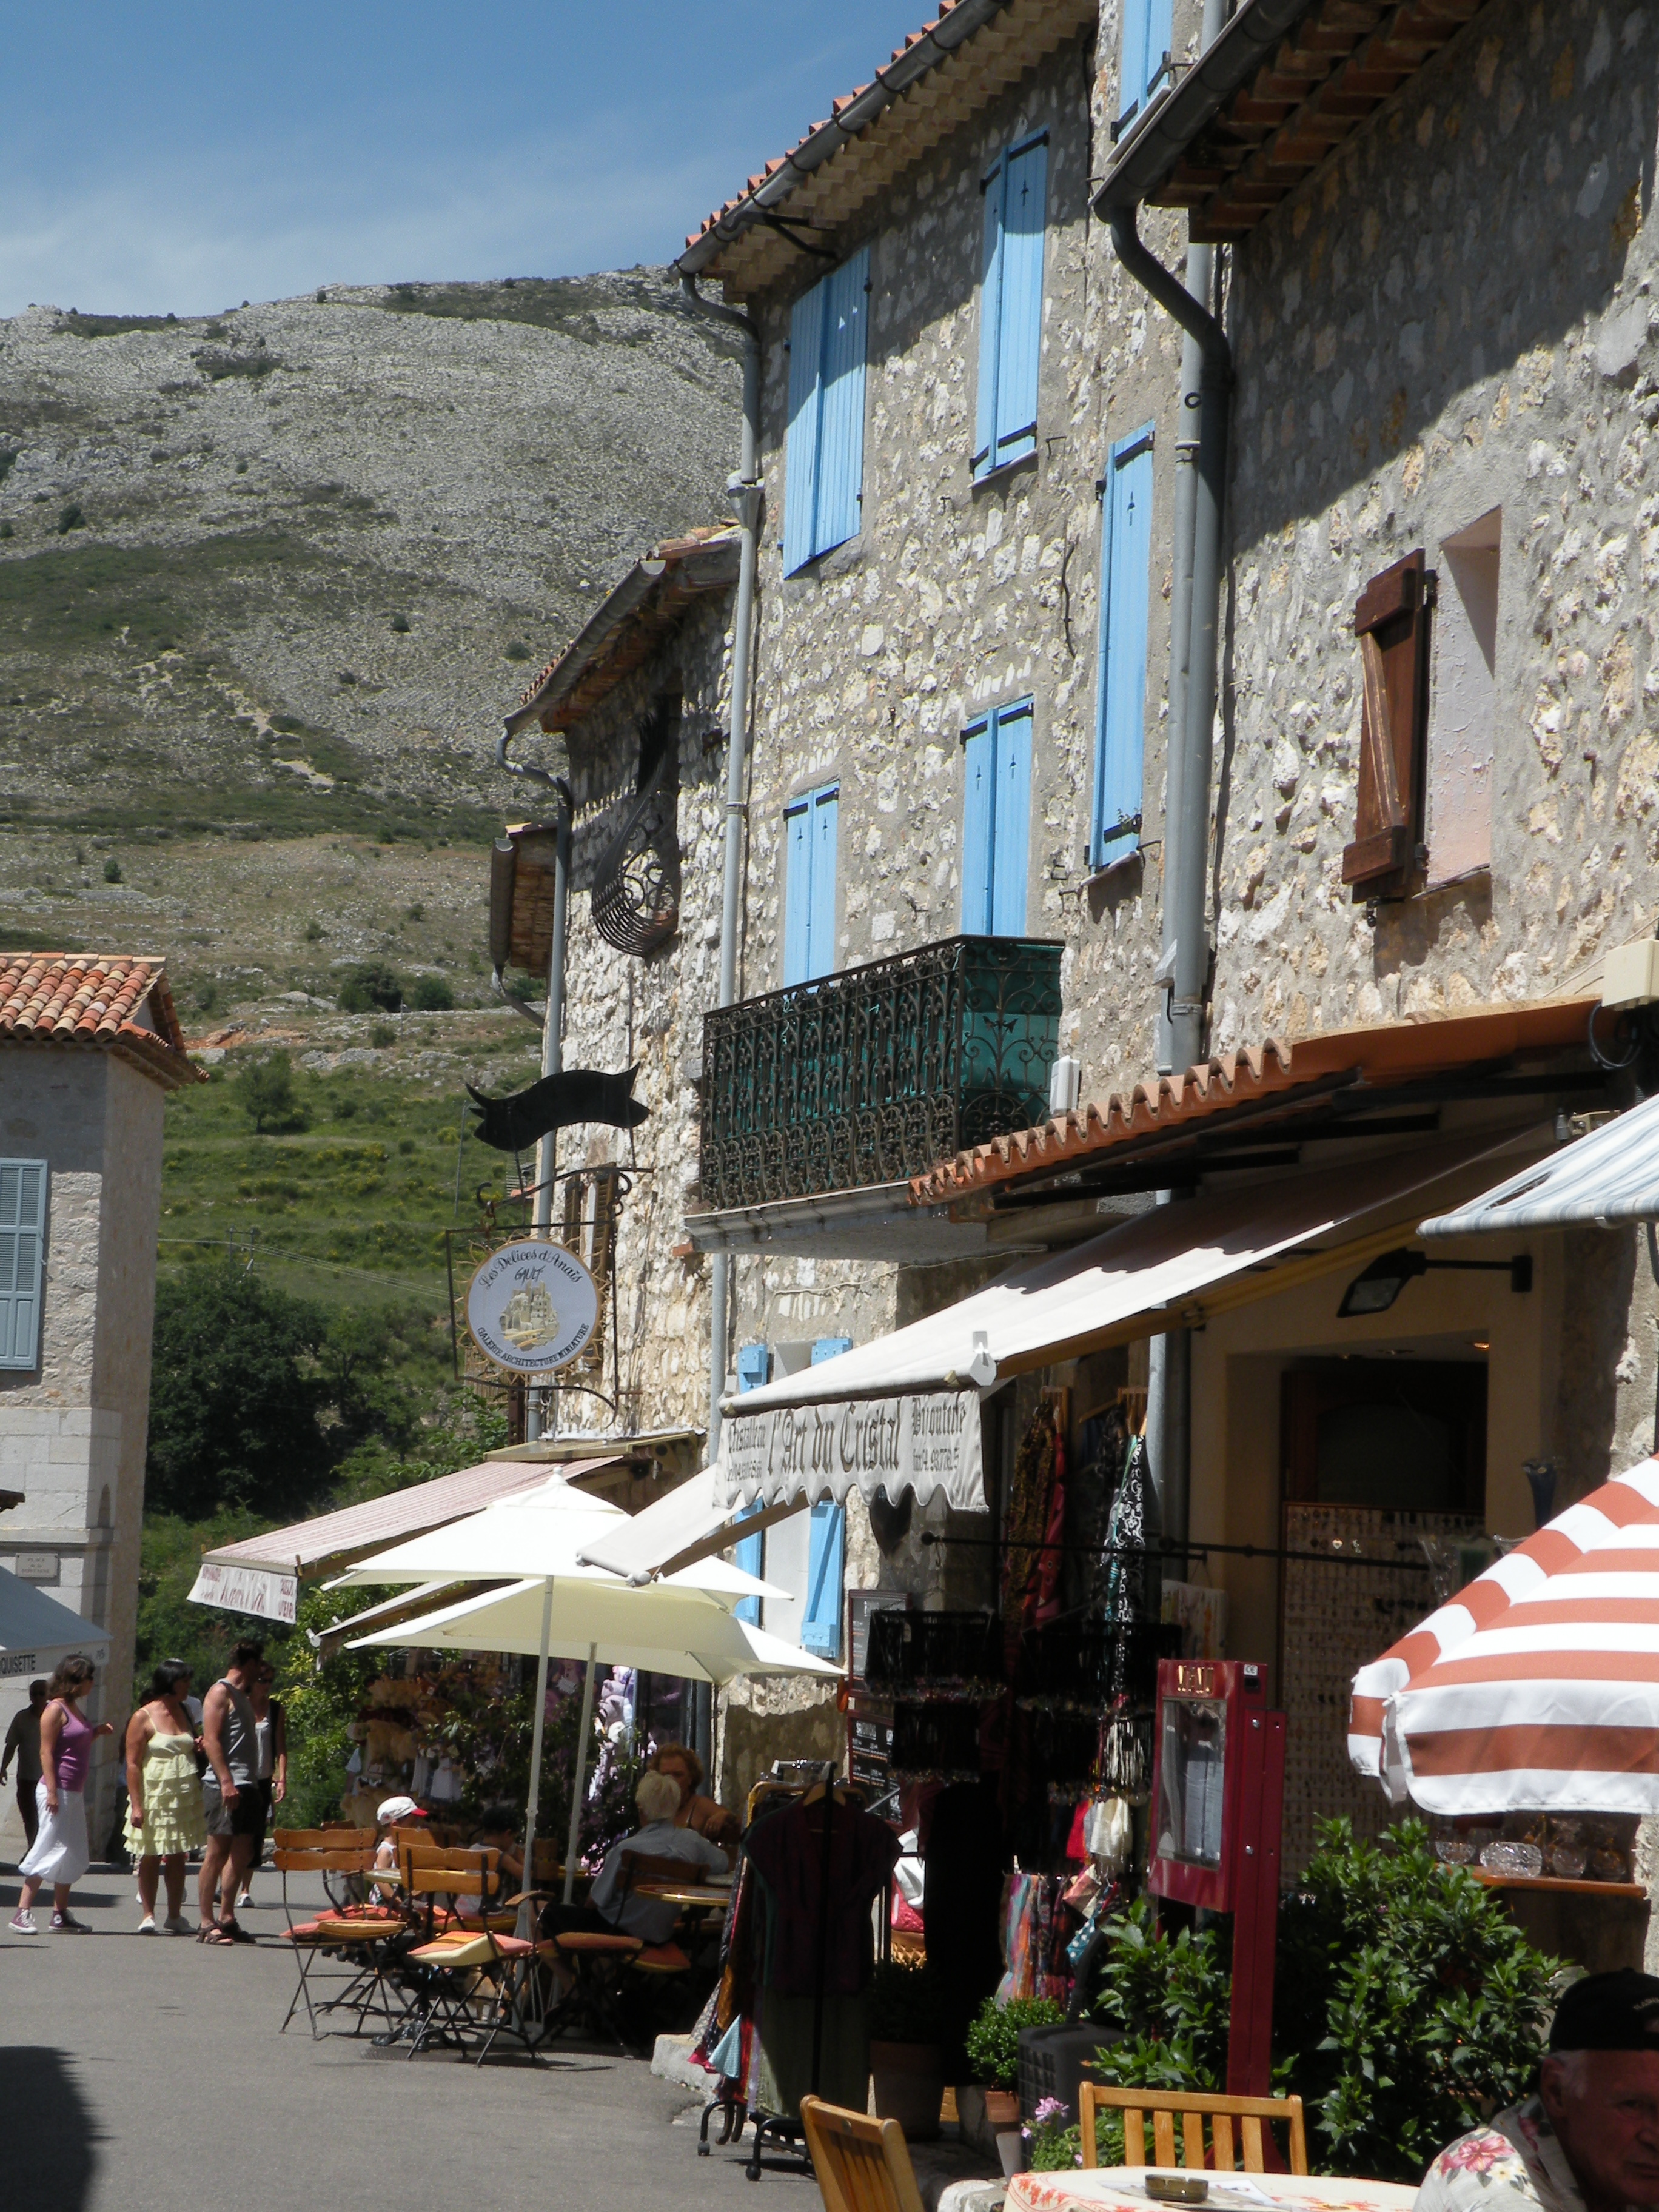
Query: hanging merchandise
[1090, 1484]
[1031, 1495]
[935, 1742]
[1134, 1581]
[921, 1656]
[1109, 1833]
[1035, 1937]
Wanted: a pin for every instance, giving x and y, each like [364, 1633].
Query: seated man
[681, 1763]
[651, 1919]
[1588, 2141]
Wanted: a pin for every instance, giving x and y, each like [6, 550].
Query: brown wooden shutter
[1391, 622]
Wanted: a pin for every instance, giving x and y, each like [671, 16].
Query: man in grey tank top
[234, 1811]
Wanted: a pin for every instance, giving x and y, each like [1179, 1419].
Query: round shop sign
[532, 1307]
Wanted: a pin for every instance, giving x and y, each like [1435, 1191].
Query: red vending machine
[1217, 1807]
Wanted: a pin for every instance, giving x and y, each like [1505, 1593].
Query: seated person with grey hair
[651, 1919]
[1588, 2140]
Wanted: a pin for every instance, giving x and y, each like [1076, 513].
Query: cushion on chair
[662, 1959]
[464, 1950]
[590, 1942]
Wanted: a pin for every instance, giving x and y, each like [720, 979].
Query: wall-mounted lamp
[1375, 1288]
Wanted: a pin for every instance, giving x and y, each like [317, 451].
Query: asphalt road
[143, 2074]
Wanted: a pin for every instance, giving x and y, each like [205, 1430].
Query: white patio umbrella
[668, 1626]
[532, 1540]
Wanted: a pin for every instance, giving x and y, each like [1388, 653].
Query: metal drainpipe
[745, 494]
[1195, 602]
[541, 1208]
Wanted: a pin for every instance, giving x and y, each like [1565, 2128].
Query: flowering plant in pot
[907, 2067]
[993, 2044]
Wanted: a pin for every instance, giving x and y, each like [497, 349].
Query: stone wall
[620, 1010]
[72, 1435]
[1451, 316]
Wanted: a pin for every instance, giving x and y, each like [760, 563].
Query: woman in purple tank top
[59, 1854]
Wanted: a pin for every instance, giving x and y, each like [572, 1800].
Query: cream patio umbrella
[669, 1626]
[531, 1541]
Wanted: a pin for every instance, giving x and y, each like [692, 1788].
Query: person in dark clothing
[23, 1744]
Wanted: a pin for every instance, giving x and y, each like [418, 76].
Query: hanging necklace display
[531, 1306]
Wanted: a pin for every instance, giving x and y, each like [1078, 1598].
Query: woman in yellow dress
[164, 1794]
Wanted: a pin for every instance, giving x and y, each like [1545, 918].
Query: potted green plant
[991, 2108]
[907, 2068]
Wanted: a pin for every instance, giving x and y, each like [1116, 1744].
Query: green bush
[369, 987]
[111, 870]
[382, 1035]
[431, 995]
[70, 518]
[992, 2040]
[902, 2005]
[1409, 2006]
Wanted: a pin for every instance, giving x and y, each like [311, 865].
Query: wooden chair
[358, 1935]
[474, 1975]
[1195, 2106]
[862, 2165]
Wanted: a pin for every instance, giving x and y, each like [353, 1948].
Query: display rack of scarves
[1035, 1937]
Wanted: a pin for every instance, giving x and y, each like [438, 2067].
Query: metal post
[541, 1211]
[537, 1733]
[579, 1776]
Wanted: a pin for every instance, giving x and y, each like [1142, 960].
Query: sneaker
[65, 1924]
[245, 1898]
[22, 1923]
[146, 1925]
[176, 1924]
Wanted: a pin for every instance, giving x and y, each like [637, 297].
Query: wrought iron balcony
[873, 1075]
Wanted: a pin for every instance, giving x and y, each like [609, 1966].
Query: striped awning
[1537, 1688]
[1610, 1176]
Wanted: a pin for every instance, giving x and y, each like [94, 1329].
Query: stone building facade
[89, 1050]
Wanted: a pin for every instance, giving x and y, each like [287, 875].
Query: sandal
[234, 1932]
[212, 1933]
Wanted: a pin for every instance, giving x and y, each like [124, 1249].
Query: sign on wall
[531, 1306]
[927, 1442]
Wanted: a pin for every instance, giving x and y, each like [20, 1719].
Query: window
[820, 1628]
[1144, 57]
[754, 1368]
[808, 886]
[1465, 701]
[996, 821]
[1011, 307]
[1391, 625]
[1126, 552]
[824, 458]
[22, 1234]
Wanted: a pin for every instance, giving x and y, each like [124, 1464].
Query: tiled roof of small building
[106, 1001]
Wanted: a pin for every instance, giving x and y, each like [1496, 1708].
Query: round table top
[690, 1892]
[1123, 2189]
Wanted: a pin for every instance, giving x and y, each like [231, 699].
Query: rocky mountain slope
[279, 571]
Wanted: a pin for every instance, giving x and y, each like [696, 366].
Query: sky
[177, 157]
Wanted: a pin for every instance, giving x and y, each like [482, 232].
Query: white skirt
[59, 1852]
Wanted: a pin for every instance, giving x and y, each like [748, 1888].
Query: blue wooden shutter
[1148, 28]
[754, 1362]
[800, 463]
[1019, 344]
[22, 1236]
[798, 892]
[1012, 829]
[841, 437]
[990, 323]
[1126, 546]
[821, 935]
[830, 1348]
[978, 819]
[820, 1629]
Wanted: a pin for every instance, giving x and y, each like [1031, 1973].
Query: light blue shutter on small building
[824, 453]
[1011, 307]
[23, 1237]
[1126, 546]
[978, 824]
[1147, 31]
[754, 1363]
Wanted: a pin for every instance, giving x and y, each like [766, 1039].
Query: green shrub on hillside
[266, 1094]
[431, 995]
[369, 986]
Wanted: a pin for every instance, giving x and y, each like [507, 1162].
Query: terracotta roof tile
[95, 1000]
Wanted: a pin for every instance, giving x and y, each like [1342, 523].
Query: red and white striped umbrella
[1537, 1687]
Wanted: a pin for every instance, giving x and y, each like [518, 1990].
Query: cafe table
[1123, 2189]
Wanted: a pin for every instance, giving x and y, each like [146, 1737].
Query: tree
[236, 1396]
[368, 987]
[265, 1092]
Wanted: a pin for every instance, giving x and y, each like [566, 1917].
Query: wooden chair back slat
[647, 1866]
[1193, 2106]
[862, 2165]
[316, 1839]
[322, 1862]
